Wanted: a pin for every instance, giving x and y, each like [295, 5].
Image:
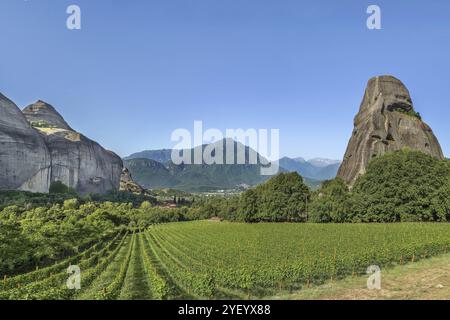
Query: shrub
[57, 187]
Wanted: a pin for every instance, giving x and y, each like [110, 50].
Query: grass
[136, 286]
[427, 279]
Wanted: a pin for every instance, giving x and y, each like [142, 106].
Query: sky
[139, 69]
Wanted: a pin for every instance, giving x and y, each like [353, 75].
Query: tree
[282, 198]
[57, 187]
[404, 185]
[331, 202]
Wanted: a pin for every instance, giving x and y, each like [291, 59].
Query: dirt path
[424, 280]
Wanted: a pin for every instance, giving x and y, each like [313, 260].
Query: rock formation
[386, 122]
[128, 184]
[25, 162]
[77, 161]
[38, 147]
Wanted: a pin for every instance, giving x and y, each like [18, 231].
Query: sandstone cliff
[77, 161]
[38, 147]
[25, 162]
[386, 122]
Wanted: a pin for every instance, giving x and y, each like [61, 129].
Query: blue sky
[139, 69]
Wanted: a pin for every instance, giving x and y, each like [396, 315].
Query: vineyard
[213, 260]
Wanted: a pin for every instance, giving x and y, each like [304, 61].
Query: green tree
[330, 203]
[282, 198]
[57, 187]
[400, 186]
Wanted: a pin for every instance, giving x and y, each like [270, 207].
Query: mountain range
[154, 169]
[316, 169]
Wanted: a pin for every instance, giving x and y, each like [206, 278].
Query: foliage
[31, 237]
[330, 203]
[404, 185]
[282, 198]
[411, 113]
[60, 188]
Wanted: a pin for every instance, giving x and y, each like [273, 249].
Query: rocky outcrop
[77, 161]
[386, 122]
[128, 184]
[25, 162]
[38, 147]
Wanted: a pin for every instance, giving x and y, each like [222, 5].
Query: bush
[57, 187]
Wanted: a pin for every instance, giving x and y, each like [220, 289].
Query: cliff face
[38, 147]
[77, 161]
[386, 122]
[25, 162]
[127, 183]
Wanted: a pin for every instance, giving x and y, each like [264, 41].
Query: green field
[229, 260]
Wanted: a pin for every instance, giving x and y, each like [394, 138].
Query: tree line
[401, 186]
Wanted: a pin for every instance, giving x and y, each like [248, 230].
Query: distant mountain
[322, 162]
[154, 174]
[163, 155]
[316, 169]
[154, 169]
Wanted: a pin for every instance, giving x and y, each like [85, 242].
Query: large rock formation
[77, 161]
[128, 184]
[25, 162]
[38, 147]
[386, 122]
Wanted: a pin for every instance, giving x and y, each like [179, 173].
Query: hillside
[152, 174]
[153, 169]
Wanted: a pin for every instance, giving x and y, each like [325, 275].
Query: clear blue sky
[139, 69]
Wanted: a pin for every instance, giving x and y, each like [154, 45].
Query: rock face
[25, 162]
[38, 147]
[127, 183]
[76, 161]
[386, 122]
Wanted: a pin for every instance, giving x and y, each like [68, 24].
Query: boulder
[385, 122]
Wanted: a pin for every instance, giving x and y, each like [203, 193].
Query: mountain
[317, 169]
[152, 174]
[323, 163]
[163, 155]
[386, 121]
[38, 147]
